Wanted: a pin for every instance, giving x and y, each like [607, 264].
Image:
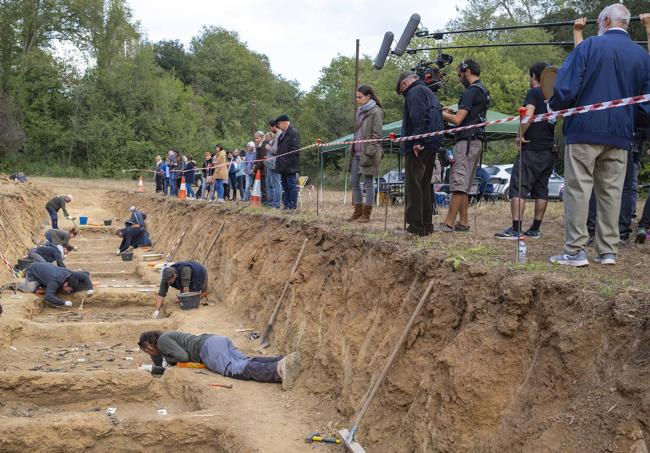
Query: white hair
[259, 134]
[250, 145]
[616, 13]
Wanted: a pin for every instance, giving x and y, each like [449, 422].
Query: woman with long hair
[365, 158]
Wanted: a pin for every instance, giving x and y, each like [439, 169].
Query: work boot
[365, 214]
[358, 210]
[289, 369]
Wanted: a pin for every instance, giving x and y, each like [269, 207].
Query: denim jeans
[290, 190]
[250, 180]
[233, 185]
[273, 188]
[190, 189]
[171, 183]
[241, 185]
[219, 186]
[355, 179]
[54, 217]
[261, 369]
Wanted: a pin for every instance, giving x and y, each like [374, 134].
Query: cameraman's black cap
[281, 118]
[403, 76]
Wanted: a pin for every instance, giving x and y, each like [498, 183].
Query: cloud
[298, 37]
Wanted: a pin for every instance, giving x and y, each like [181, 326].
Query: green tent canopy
[495, 132]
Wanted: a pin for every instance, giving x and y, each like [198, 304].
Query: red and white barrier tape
[9, 266]
[533, 119]
[588, 108]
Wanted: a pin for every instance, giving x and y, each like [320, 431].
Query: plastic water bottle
[521, 250]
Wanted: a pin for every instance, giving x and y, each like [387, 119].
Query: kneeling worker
[54, 279]
[131, 238]
[219, 355]
[47, 254]
[186, 276]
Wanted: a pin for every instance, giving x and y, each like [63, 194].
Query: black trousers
[261, 369]
[131, 236]
[159, 182]
[417, 190]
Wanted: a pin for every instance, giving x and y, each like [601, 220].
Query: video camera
[434, 73]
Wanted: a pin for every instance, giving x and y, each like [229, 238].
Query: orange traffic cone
[182, 193]
[140, 188]
[256, 194]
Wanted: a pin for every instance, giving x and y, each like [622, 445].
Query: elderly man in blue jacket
[602, 68]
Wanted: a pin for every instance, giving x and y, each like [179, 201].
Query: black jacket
[289, 142]
[422, 114]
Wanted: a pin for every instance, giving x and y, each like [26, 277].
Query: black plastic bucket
[108, 222]
[189, 301]
[127, 256]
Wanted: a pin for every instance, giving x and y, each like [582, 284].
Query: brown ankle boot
[365, 215]
[358, 210]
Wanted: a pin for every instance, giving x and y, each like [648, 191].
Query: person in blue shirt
[605, 67]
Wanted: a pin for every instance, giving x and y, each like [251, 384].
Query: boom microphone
[384, 50]
[405, 39]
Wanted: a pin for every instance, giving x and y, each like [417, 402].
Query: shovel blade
[351, 444]
[264, 342]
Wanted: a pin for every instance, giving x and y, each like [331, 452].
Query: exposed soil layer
[500, 359]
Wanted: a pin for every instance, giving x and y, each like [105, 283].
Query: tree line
[82, 92]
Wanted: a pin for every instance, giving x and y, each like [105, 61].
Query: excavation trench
[499, 359]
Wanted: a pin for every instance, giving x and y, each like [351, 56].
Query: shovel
[264, 342]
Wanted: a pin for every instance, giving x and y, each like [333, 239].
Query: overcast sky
[301, 36]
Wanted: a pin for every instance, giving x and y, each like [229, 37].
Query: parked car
[555, 182]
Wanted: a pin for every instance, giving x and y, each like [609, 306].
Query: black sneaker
[532, 234]
[508, 235]
[641, 234]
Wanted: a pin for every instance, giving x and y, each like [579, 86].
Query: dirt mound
[498, 361]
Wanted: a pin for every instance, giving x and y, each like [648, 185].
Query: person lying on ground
[61, 237]
[48, 254]
[55, 279]
[219, 355]
[131, 238]
[55, 205]
[185, 276]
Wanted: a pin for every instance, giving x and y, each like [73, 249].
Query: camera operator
[422, 114]
[472, 108]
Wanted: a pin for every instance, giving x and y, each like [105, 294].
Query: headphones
[463, 66]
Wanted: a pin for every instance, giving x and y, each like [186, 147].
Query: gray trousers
[355, 179]
[601, 168]
[28, 286]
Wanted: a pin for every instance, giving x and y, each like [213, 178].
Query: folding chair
[302, 186]
[473, 193]
[498, 184]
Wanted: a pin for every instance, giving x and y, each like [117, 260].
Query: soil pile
[499, 360]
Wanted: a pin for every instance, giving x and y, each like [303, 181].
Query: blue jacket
[422, 113]
[602, 68]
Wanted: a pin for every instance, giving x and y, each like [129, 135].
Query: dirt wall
[22, 209]
[498, 360]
